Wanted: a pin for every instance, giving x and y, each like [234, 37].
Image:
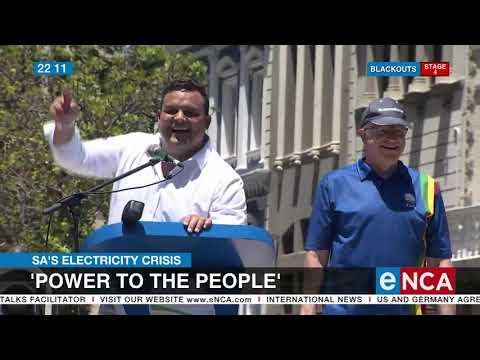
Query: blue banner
[95, 260]
[392, 68]
[53, 68]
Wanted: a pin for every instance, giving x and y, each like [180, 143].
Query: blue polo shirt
[367, 221]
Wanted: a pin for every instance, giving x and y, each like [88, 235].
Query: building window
[228, 74]
[229, 108]
[293, 54]
[255, 111]
[437, 53]
[288, 240]
[255, 62]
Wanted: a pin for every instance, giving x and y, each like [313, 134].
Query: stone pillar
[340, 101]
[369, 86]
[286, 89]
[323, 98]
[303, 103]
[267, 107]
[457, 56]
[422, 84]
[395, 88]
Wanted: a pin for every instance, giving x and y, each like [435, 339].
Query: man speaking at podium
[206, 191]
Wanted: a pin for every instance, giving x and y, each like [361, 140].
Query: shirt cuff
[439, 254]
[67, 148]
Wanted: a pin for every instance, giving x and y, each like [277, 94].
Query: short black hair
[188, 85]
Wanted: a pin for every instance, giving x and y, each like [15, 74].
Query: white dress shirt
[207, 186]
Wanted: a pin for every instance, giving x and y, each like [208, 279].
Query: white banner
[238, 299]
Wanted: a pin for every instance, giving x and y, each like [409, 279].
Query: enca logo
[415, 281]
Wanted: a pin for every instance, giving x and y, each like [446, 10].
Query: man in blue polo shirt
[371, 213]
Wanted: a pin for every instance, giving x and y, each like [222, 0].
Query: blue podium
[221, 246]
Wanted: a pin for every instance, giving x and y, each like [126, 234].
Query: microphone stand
[73, 202]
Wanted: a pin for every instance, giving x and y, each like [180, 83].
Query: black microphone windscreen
[132, 212]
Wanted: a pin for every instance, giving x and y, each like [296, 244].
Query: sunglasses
[381, 131]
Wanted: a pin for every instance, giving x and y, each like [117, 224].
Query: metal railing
[464, 225]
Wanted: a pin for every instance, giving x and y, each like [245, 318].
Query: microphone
[157, 153]
[132, 212]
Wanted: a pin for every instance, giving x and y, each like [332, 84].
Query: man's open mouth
[390, 147]
[180, 130]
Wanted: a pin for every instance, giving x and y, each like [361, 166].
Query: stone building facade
[284, 115]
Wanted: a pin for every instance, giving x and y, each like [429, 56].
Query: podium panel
[221, 246]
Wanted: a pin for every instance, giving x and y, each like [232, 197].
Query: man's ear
[209, 120]
[361, 133]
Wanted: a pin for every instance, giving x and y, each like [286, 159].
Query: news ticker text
[85, 299]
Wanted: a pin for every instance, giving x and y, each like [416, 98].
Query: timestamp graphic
[53, 68]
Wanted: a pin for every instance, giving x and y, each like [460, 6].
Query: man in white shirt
[206, 191]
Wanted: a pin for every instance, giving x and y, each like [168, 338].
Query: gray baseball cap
[384, 111]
